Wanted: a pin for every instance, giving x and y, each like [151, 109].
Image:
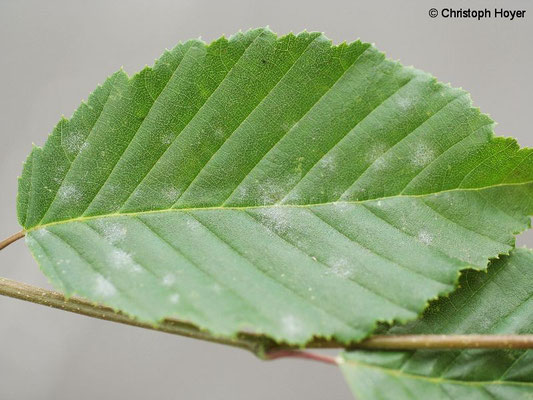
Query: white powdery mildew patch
[41, 233]
[339, 267]
[274, 190]
[422, 156]
[168, 138]
[60, 174]
[425, 237]
[291, 326]
[121, 259]
[169, 280]
[104, 288]
[276, 218]
[113, 232]
[69, 193]
[193, 225]
[404, 103]
[74, 142]
[216, 288]
[328, 162]
[171, 193]
[375, 152]
[241, 192]
[219, 133]
[174, 298]
[341, 207]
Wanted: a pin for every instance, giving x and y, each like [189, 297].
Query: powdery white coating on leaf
[171, 193]
[114, 232]
[404, 103]
[219, 133]
[168, 138]
[121, 259]
[423, 155]
[342, 207]
[193, 225]
[69, 193]
[425, 237]
[292, 326]
[41, 233]
[375, 152]
[169, 279]
[74, 142]
[339, 267]
[272, 190]
[276, 218]
[60, 173]
[328, 162]
[104, 288]
[174, 298]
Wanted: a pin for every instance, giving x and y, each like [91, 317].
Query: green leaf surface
[497, 302]
[280, 185]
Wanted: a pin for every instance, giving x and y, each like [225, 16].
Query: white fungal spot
[276, 218]
[171, 193]
[41, 233]
[425, 237]
[74, 142]
[69, 193]
[375, 151]
[193, 224]
[271, 191]
[113, 232]
[168, 138]
[422, 156]
[216, 288]
[59, 175]
[342, 207]
[404, 103]
[174, 298]
[328, 162]
[292, 327]
[120, 257]
[104, 288]
[339, 267]
[169, 279]
[122, 260]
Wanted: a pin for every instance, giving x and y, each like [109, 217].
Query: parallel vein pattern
[500, 302]
[283, 186]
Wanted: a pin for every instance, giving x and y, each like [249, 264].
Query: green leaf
[497, 302]
[283, 186]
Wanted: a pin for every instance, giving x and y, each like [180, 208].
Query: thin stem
[274, 355]
[260, 345]
[81, 306]
[11, 239]
[446, 342]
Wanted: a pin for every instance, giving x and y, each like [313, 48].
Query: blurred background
[54, 53]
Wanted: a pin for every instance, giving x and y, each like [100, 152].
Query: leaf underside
[283, 186]
[497, 302]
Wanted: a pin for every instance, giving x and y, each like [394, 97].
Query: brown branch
[446, 342]
[275, 354]
[260, 345]
[11, 239]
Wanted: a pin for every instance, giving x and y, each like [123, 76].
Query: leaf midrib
[266, 206]
[436, 380]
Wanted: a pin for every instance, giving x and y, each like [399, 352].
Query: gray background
[54, 53]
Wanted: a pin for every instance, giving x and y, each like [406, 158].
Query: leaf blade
[495, 303]
[322, 171]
